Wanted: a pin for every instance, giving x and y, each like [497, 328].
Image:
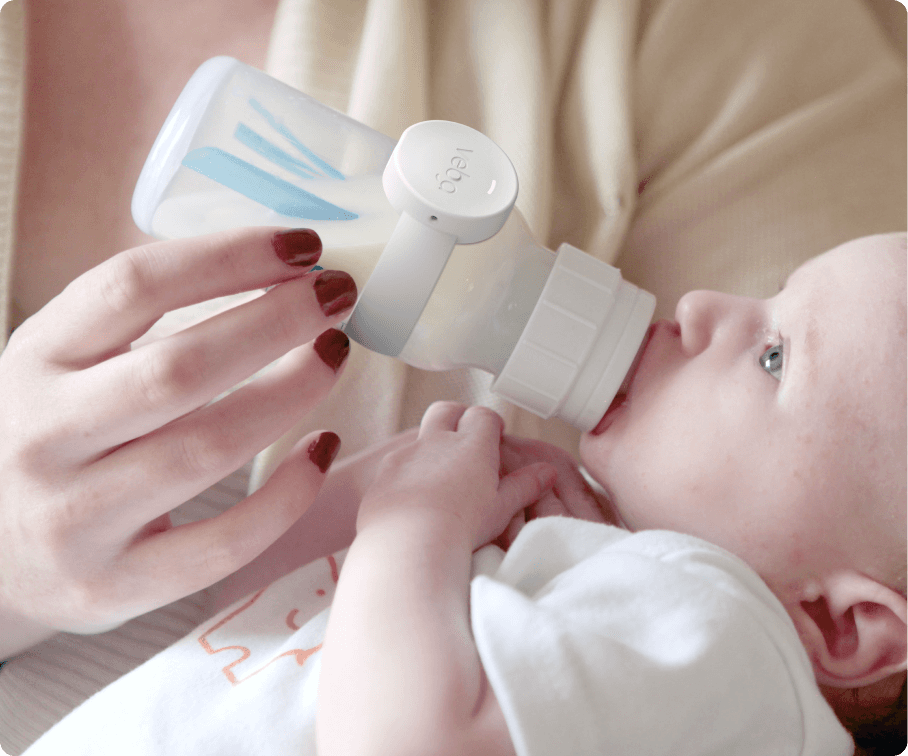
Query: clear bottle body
[482, 302]
[240, 148]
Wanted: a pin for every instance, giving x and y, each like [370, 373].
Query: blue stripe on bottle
[287, 134]
[260, 186]
[275, 154]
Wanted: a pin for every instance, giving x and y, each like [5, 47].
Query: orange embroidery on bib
[301, 654]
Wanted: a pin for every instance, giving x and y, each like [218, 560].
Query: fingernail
[335, 290]
[297, 246]
[324, 449]
[332, 346]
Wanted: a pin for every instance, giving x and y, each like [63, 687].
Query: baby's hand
[100, 441]
[452, 468]
[570, 496]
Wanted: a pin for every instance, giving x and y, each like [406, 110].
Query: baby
[773, 429]
[743, 569]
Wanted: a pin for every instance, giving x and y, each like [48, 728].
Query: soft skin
[805, 469]
[103, 434]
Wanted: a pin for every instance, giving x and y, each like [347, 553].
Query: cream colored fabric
[792, 141]
[764, 131]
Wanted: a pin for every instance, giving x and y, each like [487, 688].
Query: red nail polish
[324, 449]
[297, 246]
[332, 346]
[335, 290]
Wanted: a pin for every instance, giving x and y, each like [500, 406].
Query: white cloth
[244, 682]
[600, 641]
[595, 640]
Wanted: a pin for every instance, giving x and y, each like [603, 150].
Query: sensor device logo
[455, 172]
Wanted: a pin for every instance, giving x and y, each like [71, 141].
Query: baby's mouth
[624, 389]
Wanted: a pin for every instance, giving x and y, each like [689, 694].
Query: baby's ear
[854, 629]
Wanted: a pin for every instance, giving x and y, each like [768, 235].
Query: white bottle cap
[452, 185]
[579, 342]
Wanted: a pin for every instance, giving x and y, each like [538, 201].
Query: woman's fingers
[191, 557]
[110, 306]
[177, 461]
[134, 393]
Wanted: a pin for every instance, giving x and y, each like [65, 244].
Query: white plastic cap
[579, 342]
[452, 185]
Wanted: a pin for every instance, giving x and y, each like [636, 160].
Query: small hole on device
[433, 217]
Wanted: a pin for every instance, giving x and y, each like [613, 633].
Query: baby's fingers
[516, 491]
[517, 523]
[525, 486]
[192, 557]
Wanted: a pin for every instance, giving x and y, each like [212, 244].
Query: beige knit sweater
[695, 143]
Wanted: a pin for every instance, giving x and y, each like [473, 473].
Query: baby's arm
[400, 672]
[328, 526]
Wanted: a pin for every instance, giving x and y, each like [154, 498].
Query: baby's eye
[771, 361]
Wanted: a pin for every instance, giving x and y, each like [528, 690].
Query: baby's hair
[878, 729]
[877, 723]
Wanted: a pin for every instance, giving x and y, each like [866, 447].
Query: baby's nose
[699, 315]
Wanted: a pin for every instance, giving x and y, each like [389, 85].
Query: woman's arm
[400, 671]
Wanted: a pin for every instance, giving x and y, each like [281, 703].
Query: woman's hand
[569, 496]
[452, 468]
[99, 442]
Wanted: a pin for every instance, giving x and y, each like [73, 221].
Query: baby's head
[777, 429]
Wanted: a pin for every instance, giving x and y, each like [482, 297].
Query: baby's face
[750, 423]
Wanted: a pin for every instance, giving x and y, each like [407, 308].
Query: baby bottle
[448, 272]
